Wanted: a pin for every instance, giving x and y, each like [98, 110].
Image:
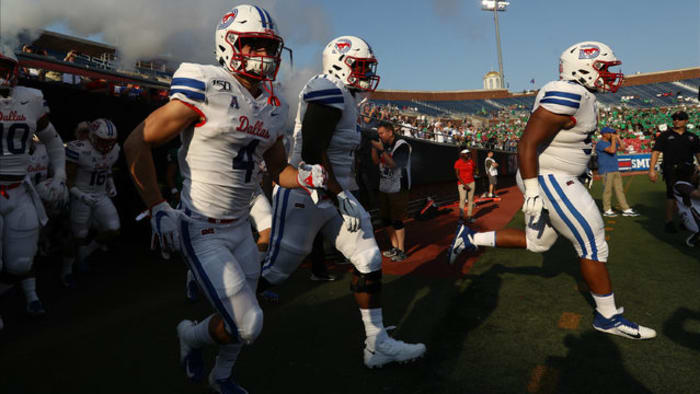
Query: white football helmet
[55, 200]
[587, 63]
[9, 68]
[351, 60]
[103, 135]
[253, 26]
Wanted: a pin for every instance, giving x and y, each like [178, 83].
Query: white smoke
[180, 30]
[173, 30]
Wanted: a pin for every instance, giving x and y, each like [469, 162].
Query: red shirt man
[464, 170]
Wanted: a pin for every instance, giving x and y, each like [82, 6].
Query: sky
[435, 45]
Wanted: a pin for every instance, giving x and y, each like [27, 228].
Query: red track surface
[427, 242]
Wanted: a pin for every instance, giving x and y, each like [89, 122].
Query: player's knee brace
[252, 325]
[366, 283]
[397, 224]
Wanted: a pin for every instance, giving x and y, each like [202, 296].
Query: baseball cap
[680, 115]
[608, 130]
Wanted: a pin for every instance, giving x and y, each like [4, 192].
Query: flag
[532, 81]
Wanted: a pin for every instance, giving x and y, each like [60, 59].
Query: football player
[554, 150]
[24, 114]
[326, 132]
[92, 187]
[686, 190]
[229, 121]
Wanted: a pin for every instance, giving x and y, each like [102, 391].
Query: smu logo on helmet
[588, 52]
[343, 45]
[228, 19]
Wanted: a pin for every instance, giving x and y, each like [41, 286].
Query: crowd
[502, 129]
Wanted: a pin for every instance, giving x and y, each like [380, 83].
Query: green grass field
[517, 322]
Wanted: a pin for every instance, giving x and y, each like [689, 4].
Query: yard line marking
[569, 321]
[543, 380]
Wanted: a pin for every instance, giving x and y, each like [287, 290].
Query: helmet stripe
[262, 16]
[269, 19]
[110, 131]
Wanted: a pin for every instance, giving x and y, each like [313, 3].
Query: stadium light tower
[496, 6]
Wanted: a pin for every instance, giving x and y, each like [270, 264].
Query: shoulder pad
[561, 97]
[189, 84]
[322, 90]
[74, 149]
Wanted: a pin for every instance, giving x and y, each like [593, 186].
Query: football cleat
[464, 240]
[35, 309]
[390, 350]
[269, 296]
[618, 325]
[190, 358]
[225, 386]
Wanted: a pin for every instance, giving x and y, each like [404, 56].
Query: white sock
[198, 335]
[374, 326]
[29, 287]
[485, 239]
[67, 267]
[605, 304]
[225, 359]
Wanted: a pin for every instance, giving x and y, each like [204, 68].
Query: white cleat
[190, 358]
[390, 350]
[618, 325]
[225, 386]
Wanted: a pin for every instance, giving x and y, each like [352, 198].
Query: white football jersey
[19, 114]
[93, 166]
[569, 151]
[219, 157]
[328, 90]
[38, 168]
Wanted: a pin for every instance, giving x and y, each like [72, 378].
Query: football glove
[57, 190]
[350, 210]
[88, 199]
[532, 207]
[164, 229]
[312, 177]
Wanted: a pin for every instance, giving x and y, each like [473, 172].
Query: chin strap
[273, 100]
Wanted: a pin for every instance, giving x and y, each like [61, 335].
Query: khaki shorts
[393, 206]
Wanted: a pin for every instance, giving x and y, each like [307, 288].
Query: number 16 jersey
[219, 156]
[93, 166]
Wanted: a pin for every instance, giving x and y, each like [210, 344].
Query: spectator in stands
[677, 146]
[393, 155]
[492, 171]
[606, 150]
[71, 78]
[464, 170]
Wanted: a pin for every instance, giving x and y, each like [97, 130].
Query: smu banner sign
[634, 162]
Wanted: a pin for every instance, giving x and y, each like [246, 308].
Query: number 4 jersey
[219, 156]
[19, 114]
[93, 166]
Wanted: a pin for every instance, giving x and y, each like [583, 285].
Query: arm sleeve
[189, 85]
[54, 147]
